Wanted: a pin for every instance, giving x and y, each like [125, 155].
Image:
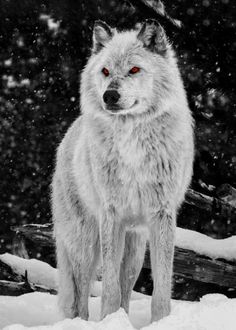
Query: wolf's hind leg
[131, 265]
[162, 233]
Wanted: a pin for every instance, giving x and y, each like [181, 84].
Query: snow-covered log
[34, 275]
[7, 273]
[185, 239]
[197, 256]
[38, 272]
[19, 276]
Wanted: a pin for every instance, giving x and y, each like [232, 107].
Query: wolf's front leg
[162, 234]
[131, 265]
[112, 244]
[66, 290]
[77, 255]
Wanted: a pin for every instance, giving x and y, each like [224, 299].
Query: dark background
[43, 47]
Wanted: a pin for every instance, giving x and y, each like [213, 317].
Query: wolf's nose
[111, 97]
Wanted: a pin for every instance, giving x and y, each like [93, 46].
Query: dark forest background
[43, 47]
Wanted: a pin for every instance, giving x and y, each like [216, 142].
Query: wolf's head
[129, 72]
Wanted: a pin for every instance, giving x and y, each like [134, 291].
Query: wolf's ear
[102, 33]
[153, 36]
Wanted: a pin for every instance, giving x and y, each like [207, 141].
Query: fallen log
[19, 276]
[213, 206]
[197, 256]
[7, 273]
[10, 288]
[38, 276]
[187, 264]
[36, 273]
[36, 233]
[192, 261]
[190, 265]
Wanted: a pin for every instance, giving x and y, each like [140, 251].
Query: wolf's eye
[134, 70]
[105, 71]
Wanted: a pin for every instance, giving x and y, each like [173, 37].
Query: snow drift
[38, 311]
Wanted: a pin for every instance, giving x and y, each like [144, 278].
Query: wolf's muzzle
[111, 97]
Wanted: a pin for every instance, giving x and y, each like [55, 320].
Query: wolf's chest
[130, 153]
[134, 167]
[133, 178]
[140, 154]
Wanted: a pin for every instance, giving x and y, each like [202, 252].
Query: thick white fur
[122, 176]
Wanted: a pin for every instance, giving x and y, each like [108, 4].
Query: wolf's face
[128, 71]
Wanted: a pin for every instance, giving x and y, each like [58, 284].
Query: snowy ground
[39, 311]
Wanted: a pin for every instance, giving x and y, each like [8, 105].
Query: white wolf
[122, 171]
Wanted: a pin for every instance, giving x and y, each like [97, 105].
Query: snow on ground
[38, 311]
[205, 245]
